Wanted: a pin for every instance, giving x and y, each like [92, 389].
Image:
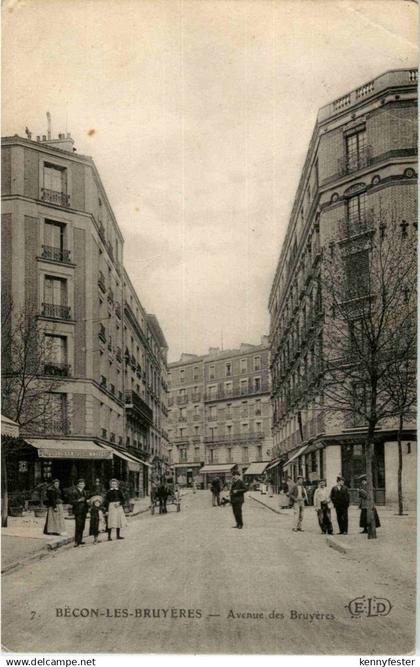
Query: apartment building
[220, 413]
[362, 158]
[62, 262]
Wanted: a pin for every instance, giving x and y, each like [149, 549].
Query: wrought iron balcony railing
[54, 197]
[57, 369]
[56, 312]
[355, 161]
[102, 333]
[55, 254]
[101, 281]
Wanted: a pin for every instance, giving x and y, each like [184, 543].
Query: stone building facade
[219, 412]
[362, 157]
[62, 259]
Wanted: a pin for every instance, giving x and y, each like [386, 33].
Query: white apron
[116, 516]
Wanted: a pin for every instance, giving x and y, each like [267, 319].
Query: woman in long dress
[363, 505]
[114, 505]
[55, 522]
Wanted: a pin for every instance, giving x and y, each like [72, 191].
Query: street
[182, 582]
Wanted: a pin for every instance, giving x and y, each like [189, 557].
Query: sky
[202, 112]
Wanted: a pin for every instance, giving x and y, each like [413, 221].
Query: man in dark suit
[340, 498]
[237, 491]
[80, 510]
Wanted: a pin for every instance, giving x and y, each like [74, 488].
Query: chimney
[49, 125]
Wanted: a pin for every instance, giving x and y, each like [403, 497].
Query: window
[228, 369]
[228, 388]
[244, 408]
[196, 431]
[257, 407]
[211, 372]
[55, 298]
[244, 387]
[228, 409]
[245, 455]
[229, 430]
[54, 178]
[229, 455]
[56, 355]
[357, 274]
[356, 151]
[181, 376]
[213, 412]
[55, 413]
[257, 384]
[356, 209]
[244, 427]
[183, 455]
[212, 391]
[196, 454]
[259, 453]
[195, 373]
[53, 247]
[169, 455]
[258, 427]
[244, 365]
[197, 410]
[182, 414]
[257, 363]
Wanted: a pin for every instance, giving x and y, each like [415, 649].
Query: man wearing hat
[340, 498]
[80, 510]
[299, 496]
[237, 491]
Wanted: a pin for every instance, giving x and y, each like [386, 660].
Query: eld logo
[364, 606]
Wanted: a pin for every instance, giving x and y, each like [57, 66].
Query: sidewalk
[396, 538]
[23, 539]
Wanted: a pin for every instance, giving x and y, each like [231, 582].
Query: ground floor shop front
[327, 458]
[33, 463]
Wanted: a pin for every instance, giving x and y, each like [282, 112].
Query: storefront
[185, 474]
[256, 472]
[223, 472]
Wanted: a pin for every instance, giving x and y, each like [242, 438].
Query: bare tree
[30, 383]
[369, 299]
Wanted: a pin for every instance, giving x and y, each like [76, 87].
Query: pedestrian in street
[340, 498]
[97, 521]
[215, 490]
[237, 491]
[284, 500]
[322, 506]
[114, 506]
[363, 505]
[80, 510]
[299, 496]
[55, 522]
[290, 486]
[162, 494]
[270, 488]
[99, 489]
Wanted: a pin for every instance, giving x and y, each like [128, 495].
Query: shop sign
[73, 454]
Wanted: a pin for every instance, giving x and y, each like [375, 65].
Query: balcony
[237, 392]
[110, 296]
[57, 369]
[53, 197]
[118, 354]
[101, 231]
[118, 309]
[101, 281]
[355, 161]
[56, 312]
[57, 427]
[230, 439]
[102, 381]
[195, 398]
[348, 229]
[197, 418]
[138, 408]
[102, 333]
[182, 400]
[55, 254]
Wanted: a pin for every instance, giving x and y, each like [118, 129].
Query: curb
[273, 509]
[338, 546]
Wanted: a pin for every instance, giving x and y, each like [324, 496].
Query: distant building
[219, 412]
[62, 258]
[363, 154]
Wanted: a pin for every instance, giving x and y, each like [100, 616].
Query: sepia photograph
[209, 327]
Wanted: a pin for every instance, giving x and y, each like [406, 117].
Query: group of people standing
[106, 510]
[324, 500]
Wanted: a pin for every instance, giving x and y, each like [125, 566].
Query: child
[97, 522]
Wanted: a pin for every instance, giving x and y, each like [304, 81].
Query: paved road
[194, 560]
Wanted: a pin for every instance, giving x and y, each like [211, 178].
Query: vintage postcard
[209, 293]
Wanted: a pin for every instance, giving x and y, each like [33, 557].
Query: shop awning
[257, 468]
[9, 427]
[68, 449]
[133, 462]
[186, 465]
[295, 456]
[274, 464]
[215, 467]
